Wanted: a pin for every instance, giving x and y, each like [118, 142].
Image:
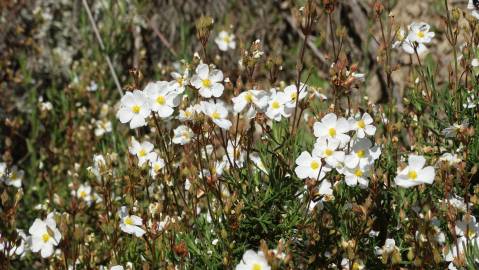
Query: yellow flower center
[188, 113]
[420, 34]
[360, 153]
[142, 153]
[135, 109]
[356, 266]
[215, 115]
[332, 132]
[328, 152]
[227, 39]
[294, 95]
[82, 194]
[161, 100]
[256, 266]
[45, 237]
[361, 124]
[314, 165]
[156, 167]
[128, 221]
[358, 172]
[412, 175]
[206, 83]
[471, 233]
[185, 135]
[249, 97]
[180, 81]
[237, 153]
[400, 36]
[275, 105]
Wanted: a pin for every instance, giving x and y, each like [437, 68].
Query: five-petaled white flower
[357, 176]
[253, 261]
[208, 82]
[292, 96]
[142, 150]
[44, 235]
[328, 149]
[135, 108]
[156, 164]
[332, 128]
[419, 32]
[362, 153]
[163, 98]
[277, 106]
[225, 41]
[363, 125]
[251, 100]
[83, 192]
[13, 177]
[415, 173]
[309, 166]
[130, 224]
[407, 45]
[180, 81]
[218, 114]
[182, 135]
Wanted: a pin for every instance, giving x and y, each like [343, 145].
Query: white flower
[180, 81]
[44, 235]
[452, 131]
[419, 32]
[474, 8]
[357, 176]
[92, 87]
[475, 63]
[208, 83]
[162, 98]
[134, 109]
[130, 224]
[471, 101]
[83, 192]
[277, 106]
[327, 149]
[251, 100]
[388, 247]
[3, 170]
[218, 114]
[253, 261]
[235, 154]
[117, 267]
[258, 162]
[363, 125]
[357, 265]
[14, 177]
[332, 128]
[415, 173]
[291, 94]
[156, 164]
[98, 164]
[407, 45]
[309, 166]
[102, 127]
[142, 150]
[15, 249]
[362, 154]
[189, 113]
[225, 41]
[450, 158]
[467, 227]
[182, 135]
